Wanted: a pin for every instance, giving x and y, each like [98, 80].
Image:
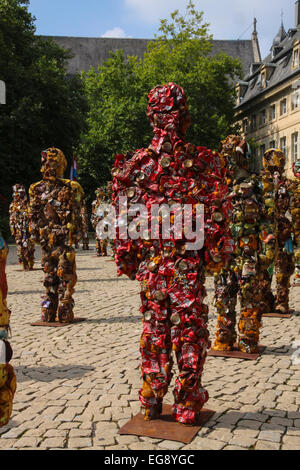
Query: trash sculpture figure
[294, 188]
[55, 205]
[97, 215]
[245, 273]
[277, 200]
[19, 226]
[172, 173]
[84, 227]
[7, 374]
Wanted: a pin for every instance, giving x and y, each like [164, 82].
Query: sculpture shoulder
[75, 186]
[33, 187]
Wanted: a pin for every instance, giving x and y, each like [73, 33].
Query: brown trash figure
[294, 189]
[96, 217]
[180, 177]
[19, 226]
[244, 274]
[7, 374]
[278, 202]
[84, 226]
[55, 223]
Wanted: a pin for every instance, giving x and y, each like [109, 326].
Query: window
[295, 100]
[283, 107]
[283, 145]
[245, 126]
[253, 122]
[272, 114]
[262, 118]
[262, 150]
[295, 146]
[272, 144]
[295, 64]
[263, 79]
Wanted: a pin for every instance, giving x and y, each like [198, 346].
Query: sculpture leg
[284, 269]
[98, 247]
[250, 318]
[68, 279]
[19, 251]
[51, 282]
[265, 283]
[226, 289]
[190, 338]
[156, 359]
[297, 265]
[103, 247]
[31, 256]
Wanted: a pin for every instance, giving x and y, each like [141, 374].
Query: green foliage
[44, 106]
[117, 94]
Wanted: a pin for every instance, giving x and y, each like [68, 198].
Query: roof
[279, 63]
[93, 51]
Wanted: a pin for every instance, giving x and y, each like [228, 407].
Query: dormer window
[263, 79]
[241, 88]
[296, 55]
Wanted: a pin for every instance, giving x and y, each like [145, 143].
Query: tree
[44, 107]
[117, 93]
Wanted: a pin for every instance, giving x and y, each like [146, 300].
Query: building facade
[268, 99]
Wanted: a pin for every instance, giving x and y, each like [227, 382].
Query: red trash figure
[175, 174]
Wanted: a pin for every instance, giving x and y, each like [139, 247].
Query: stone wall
[93, 51]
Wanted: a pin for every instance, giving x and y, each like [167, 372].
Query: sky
[228, 19]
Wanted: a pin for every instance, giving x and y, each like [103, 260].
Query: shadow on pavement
[114, 279]
[260, 421]
[129, 319]
[48, 374]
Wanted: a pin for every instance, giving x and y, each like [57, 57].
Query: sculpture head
[296, 168]
[236, 151]
[100, 194]
[274, 161]
[168, 108]
[19, 192]
[54, 163]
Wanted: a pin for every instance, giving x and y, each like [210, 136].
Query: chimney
[297, 13]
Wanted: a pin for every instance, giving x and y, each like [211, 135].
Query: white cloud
[116, 32]
[228, 19]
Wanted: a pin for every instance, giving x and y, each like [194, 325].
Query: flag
[73, 170]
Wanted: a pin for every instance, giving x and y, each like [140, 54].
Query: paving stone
[79, 442]
[53, 442]
[170, 445]
[291, 443]
[81, 382]
[267, 445]
[272, 436]
[242, 441]
[27, 442]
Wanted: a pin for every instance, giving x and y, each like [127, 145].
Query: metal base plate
[237, 354]
[279, 315]
[165, 427]
[56, 323]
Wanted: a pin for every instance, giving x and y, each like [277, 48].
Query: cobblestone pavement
[77, 385]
